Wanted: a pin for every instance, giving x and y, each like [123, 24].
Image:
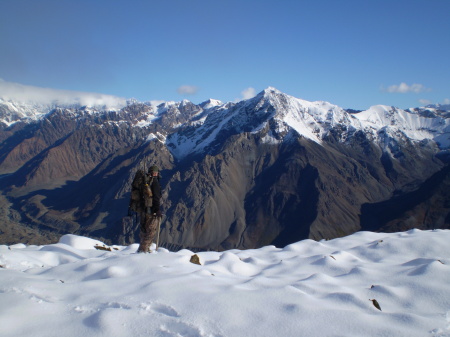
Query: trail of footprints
[171, 325]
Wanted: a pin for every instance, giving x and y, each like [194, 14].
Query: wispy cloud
[248, 93]
[404, 88]
[27, 93]
[187, 90]
[424, 101]
[447, 101]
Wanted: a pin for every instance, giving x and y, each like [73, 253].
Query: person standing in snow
[146, 201]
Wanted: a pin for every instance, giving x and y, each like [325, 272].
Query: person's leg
[149, 226]
[145, 233]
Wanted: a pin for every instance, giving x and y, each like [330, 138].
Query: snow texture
[309, 288]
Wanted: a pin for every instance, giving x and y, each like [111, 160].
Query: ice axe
[157, 236]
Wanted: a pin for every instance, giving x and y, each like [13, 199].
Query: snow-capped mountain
[437, 108]
[267, 170]
[13, 112]
[412, 124]
[312, 120]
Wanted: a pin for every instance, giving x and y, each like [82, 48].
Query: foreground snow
[306, 289]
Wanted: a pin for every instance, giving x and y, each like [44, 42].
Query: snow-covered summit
[12, 112]
[211, 103]
[312, 120]
[28, 111]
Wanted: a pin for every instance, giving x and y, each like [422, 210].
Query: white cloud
[424, 101]
[446, 101]
[187, 90]
[404, 88]
[30, 94]
[248, 93]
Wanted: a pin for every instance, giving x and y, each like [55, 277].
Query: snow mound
[79, 242]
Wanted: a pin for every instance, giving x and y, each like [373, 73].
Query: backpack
[141, 192]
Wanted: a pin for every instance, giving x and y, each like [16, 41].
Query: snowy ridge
[312, 120]
[191, 128]
[200, 132]
[413, 125]
[365, 284]
[12, 112]
[211, 103]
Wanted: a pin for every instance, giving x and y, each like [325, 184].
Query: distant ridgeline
[273, 169]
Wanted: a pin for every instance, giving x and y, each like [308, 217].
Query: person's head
[153, 171]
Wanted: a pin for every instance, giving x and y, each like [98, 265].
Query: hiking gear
[136, 199]
[145, 193]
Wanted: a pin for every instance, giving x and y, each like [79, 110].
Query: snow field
[308, 288]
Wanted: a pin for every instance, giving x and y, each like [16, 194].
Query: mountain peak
[185, 102]
[268, 93]
[210, 103]
[271, 90]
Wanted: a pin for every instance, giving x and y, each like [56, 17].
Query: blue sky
[351, 53]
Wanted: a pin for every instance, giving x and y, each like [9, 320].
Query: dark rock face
[426, 206]
[234, 175]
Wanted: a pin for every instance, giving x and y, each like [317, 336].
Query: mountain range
[273, 169]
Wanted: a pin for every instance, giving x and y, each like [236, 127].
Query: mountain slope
[273, 169]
